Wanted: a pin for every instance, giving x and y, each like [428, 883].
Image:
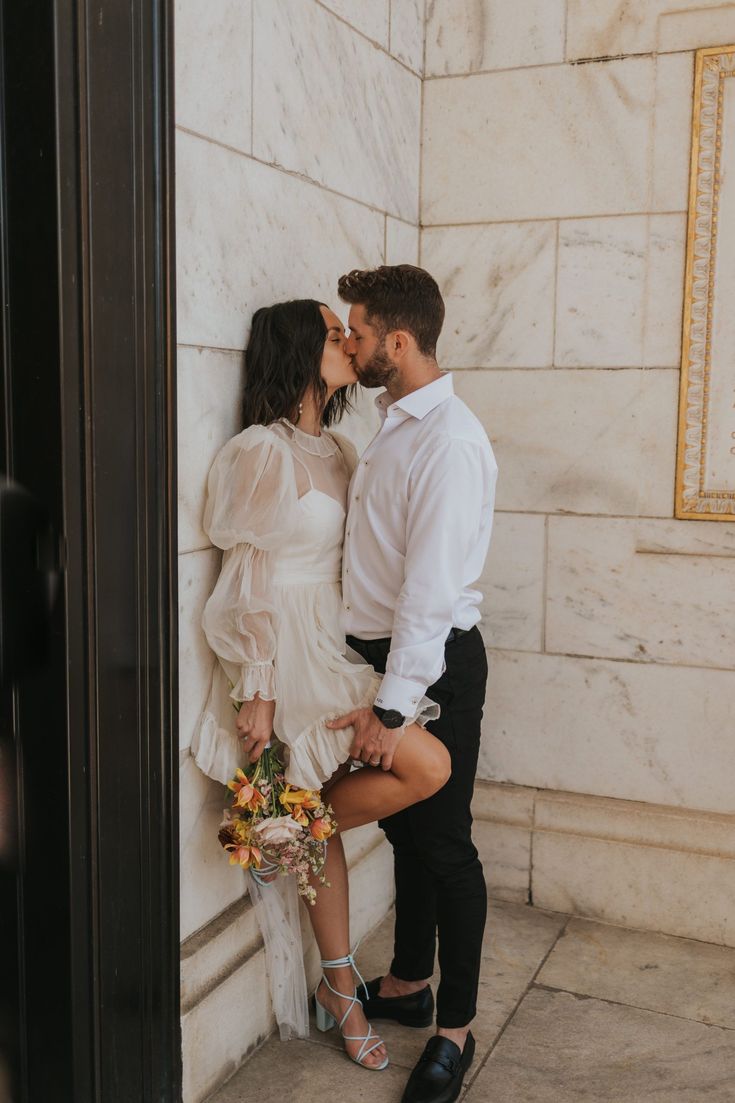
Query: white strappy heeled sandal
[325, 1020]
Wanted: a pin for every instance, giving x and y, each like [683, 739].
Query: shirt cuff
[400, 694]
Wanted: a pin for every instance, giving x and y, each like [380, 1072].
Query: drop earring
[301, 410]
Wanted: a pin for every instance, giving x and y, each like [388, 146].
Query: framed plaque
[705, 475]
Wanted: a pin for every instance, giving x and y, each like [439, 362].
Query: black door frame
[90, 429]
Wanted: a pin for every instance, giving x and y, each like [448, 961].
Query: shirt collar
[420, 402]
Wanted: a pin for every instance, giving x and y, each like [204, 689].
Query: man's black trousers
[440, 886]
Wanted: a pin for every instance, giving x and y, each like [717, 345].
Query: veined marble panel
[249, 235]
[664, 290]
[198, 573]
[648, 591]
[213, 57]
[690, 29]
[672, 132]
[498, 286]
[601, 292]
[209, 883]
[492, 34]
[208, 385]
[605, 28]
[652, 888]
[334, 108]
[636, 731]
[370, 19]
[579, 441]
[401, 242]
[512, 583]
[407, 33]
[569, 141]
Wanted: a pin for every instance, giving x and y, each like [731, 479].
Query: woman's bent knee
[437, 769]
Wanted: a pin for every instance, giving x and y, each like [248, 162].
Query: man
[417, 534]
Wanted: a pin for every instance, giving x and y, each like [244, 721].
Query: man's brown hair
[397, 296]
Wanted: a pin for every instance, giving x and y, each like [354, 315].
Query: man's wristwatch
[389, 718]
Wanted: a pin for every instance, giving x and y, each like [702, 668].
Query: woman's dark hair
[397, 296]
[283, 362]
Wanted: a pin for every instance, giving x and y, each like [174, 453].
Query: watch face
[392, 719]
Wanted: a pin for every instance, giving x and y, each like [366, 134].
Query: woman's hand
[255, 726]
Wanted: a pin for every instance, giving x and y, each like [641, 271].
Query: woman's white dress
[276, 505]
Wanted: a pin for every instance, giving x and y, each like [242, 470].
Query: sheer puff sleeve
[251, 509]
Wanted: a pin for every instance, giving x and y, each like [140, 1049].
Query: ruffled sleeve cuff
[255, 678]
[216, 749]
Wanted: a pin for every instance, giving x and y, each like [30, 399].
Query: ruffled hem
[316, 753]
[216, 750]
[255, 678]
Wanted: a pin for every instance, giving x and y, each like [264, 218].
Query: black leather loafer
[414, 1010]
[438, 1075]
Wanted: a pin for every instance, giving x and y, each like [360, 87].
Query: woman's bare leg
[421, 765]
[330, 921]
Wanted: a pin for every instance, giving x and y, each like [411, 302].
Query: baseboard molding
[646, 866]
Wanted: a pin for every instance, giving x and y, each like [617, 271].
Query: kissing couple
[345, 622]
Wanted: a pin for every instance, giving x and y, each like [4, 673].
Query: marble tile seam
[592, 835]
[289, 172]
[558, 798]
[531, 984]
[373, 42]
[565, 367]
[252, 75]
[595, 803]
[555, 296]
[422, 159]
[426, 226]
[208, 348]
[554, 514]
[194, 551]
[566, 63]
[637, 1006]
[617, 659]
[603, 59]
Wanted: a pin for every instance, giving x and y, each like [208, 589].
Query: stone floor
[569, 1010]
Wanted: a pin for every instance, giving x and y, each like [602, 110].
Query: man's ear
[399, 342]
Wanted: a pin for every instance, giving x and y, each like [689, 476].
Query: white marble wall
[554, 199]
[297, 159]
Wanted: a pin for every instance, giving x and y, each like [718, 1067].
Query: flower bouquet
[273, 828]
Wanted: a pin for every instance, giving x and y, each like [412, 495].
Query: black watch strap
[389, 718]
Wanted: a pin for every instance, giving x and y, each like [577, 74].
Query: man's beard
[378, 372]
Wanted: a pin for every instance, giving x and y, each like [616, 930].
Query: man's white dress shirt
[417, 535]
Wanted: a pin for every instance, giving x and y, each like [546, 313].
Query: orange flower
[298, 814]
[245, 856]
[246, 795]
[321, 829]
[302, 797]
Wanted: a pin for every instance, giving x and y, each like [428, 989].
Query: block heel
[325, 1020]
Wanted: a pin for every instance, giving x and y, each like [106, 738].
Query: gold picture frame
[705, 468]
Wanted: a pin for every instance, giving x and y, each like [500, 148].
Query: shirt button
[357, 497]
[347, 608]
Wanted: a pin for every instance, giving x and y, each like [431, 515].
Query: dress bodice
[314, 551]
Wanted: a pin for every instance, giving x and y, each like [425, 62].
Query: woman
[277, 505]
